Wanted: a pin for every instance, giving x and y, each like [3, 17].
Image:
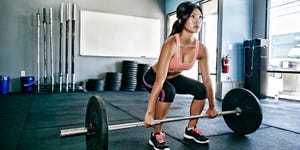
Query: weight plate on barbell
[96, 122]
[251, 117]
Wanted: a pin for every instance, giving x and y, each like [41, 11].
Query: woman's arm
[167, 51]
[203, 66]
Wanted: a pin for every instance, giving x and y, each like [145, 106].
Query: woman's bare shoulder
[202, 50]
[170, 40]
[170, 43]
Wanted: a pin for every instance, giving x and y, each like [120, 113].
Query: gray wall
[18, 36]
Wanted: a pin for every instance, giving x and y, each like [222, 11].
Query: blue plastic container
[27, 84]
[4, 84]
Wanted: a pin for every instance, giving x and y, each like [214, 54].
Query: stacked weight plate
[95, 85]
[113, 81]
[129, 72]
[142, 68]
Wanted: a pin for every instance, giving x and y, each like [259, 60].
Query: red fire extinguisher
[225, 64]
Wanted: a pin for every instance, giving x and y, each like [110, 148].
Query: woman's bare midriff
[170, 75]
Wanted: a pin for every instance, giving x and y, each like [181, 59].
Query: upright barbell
[241, 111]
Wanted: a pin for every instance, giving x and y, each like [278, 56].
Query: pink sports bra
[176, 64]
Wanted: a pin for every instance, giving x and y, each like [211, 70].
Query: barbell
[241, 111]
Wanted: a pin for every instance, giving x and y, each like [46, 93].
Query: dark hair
[183, 13]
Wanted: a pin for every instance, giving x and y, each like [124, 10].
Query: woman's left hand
[211, 113]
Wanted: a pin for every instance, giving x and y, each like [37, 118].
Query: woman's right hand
[148, 120]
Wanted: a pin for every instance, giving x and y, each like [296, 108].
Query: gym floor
[34, 121]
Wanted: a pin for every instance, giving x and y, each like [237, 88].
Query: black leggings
[179, 84]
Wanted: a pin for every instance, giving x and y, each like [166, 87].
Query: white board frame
[106, 34]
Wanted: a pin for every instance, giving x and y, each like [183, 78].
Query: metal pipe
[67, 43]
[60, 46]
[38, 50]
[73, 46]
[84, 130]
[51, 50]
[45, 44]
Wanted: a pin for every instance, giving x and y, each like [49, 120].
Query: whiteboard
[106, 34]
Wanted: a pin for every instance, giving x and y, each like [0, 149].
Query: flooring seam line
[122, 110]
[25, 121]
[282, 129]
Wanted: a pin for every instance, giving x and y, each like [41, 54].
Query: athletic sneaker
[158, 141]
[197, 135]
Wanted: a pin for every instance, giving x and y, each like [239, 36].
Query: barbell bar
[241, 111]
[84, 130]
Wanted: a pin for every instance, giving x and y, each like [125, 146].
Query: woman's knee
[167, 94]
[200, 92]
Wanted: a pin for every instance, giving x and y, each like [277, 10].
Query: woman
[163, 80]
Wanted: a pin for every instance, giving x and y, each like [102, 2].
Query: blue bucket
[27, 84]
[4, 84]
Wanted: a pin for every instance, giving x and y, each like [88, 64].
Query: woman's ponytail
[176, 28]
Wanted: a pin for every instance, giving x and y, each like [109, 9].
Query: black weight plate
[110, 80]
[129, 81]
[95, 84]
[113, 75]
[251, 117]
[113, 84]
[125, 69]
[129, 75]
[113, 79]
[144, 65]
[129, 68]
[96, 117]
[112, 87]
[129, 78]
[129, 62]
[128, 84]
[128, 87]
[129, 65]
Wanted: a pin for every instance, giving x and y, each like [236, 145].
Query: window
[284, 48]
